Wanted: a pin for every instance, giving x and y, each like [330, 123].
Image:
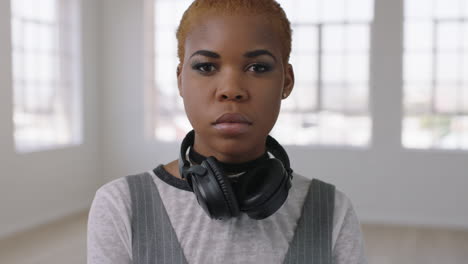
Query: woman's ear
[288, 81]
[179, 79]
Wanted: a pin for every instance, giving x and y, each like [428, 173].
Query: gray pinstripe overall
[150, 221]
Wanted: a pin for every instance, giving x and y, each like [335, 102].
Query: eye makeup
[260, 67]
[207, 67]
[203, 67]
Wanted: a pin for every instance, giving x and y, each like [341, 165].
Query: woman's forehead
[233, 32]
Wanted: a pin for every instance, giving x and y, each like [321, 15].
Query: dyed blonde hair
[270, 8]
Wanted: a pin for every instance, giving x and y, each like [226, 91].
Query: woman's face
[232, 81]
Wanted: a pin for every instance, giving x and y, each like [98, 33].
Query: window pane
[46, 11]
[333, 68]
[431, 115]
[179, 8]
[436, 131]
[464, 99]
[165, 68]
[446, 97]
[30, 34]
[465, 67]
[303, 11]
[45, 68]
[465, 35]
[305, 68]
[305, 39]
[464, 133]
[418, 9]
[30, 66]
[417, 97]
[465, 9]
[25, 8]
[334, 96]
[165, 42]
[356, 101]
[308, 95]
[448, 67]
[418, 36]
[449, 37]
[357, 38]
[449, 135]
[359, 10]
[357, 68]
[358, 130]
[291, 103]
[447, 8]
[333, 39]
[286, 129]
[331, 130]
[332, 10]
[417, 132]
[324, 128]
[162, 17]
[418, 66]
[47, 41]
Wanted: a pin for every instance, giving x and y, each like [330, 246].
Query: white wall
[38, 187]
[385, 182]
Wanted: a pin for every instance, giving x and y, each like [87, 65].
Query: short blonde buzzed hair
[271, 8]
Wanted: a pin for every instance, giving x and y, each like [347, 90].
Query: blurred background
[380, 108]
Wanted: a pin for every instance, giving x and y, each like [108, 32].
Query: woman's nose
[231, 89]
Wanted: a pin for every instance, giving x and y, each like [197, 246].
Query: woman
[233, 198]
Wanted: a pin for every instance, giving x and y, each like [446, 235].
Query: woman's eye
[204, 67]
[259, 68]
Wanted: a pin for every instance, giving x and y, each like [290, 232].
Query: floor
[402, 245]
[64, 241]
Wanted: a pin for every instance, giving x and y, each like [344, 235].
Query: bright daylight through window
[46, 83]
[436, 74]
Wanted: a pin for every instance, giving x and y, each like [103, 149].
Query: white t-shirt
[204, 240]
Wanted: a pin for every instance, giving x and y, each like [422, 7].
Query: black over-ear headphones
[259, 192]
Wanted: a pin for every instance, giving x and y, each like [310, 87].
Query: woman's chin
[237, 151]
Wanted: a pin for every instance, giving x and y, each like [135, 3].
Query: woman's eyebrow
[256, 53]
[249, 54]
[206, 53]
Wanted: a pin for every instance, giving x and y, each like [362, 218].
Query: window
[45, 52]
[436, 74]
[164, 107]
[330, 56]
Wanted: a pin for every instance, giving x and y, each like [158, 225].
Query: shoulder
[115, 192]
[109, 224]
[343, 210]
[112, 200]
[114, 197]
[347, 234]
[342, 202]
[344, 216]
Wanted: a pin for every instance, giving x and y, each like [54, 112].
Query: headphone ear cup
[263, 190]
[227, 194]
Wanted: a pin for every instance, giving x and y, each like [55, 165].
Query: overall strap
[312, 241]
[153, 237]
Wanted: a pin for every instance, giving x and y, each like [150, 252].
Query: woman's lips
[232, 118]
[232, 124]
[232, 128]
